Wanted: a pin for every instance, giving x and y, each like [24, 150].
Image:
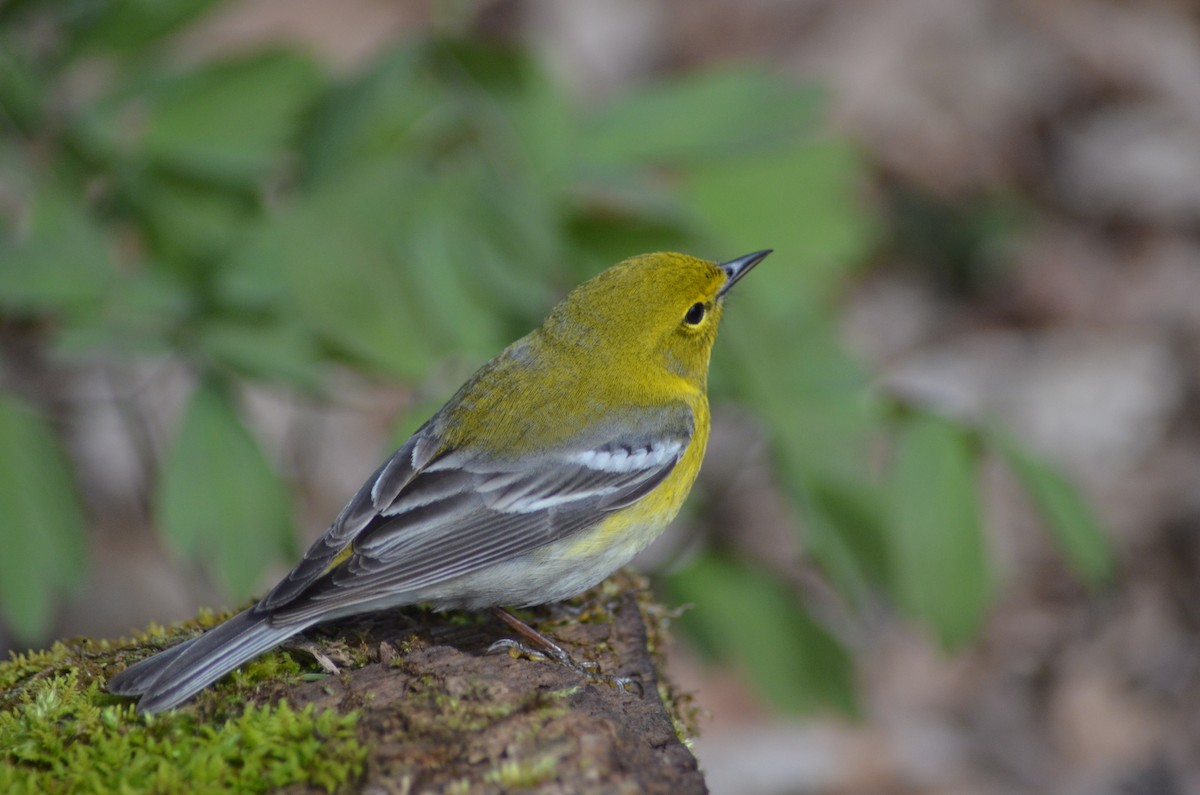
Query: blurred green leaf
[699, 116]
[386, 112]
[741, 614]
[279, 352]
[329, 260]
[790, 367]
[229, 122]
[1073, 524]
[812, 396]
[130, 26]
[614, 219]
[139, 317]
[800, 201]
[399, 263]
[933, 511]
[547, 130]
[189, 225]
[450, 314]
[233, 118]
[219, 499]
[507, 280]
[487, 242]
[23, 95]
[43, 533]
[58, 262]
[474, 65]
[845, 530]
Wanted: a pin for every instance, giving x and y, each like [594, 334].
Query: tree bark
[439, 712]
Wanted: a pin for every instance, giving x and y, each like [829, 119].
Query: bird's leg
[537, 645]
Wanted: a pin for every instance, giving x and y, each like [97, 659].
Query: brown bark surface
[441, 713]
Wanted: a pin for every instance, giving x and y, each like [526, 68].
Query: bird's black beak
[737, 268]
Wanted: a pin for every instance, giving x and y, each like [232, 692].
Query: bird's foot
[537, 646]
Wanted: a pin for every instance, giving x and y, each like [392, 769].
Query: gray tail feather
[173, 676]
[137, 678]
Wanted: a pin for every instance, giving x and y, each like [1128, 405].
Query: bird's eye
[695, 314]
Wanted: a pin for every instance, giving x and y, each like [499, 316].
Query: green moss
[468, 712]
[61, 733]
[523, 773]
[268, 668]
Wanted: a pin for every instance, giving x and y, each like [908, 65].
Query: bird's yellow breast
[631, 529]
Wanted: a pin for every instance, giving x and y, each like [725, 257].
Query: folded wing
[430, 514]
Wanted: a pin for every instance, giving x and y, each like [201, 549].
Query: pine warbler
[550, 468]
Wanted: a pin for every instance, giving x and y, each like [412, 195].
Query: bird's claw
[587, 669]
[517, 649]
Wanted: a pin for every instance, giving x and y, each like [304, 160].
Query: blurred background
[946, 537]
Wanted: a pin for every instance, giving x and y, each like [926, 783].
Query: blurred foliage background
[232, 278]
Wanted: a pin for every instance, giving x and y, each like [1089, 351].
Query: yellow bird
[550, 468]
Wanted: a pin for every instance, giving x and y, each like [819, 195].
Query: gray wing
[362, 511]
[430, 514]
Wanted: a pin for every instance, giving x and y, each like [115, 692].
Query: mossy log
[430, 710]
